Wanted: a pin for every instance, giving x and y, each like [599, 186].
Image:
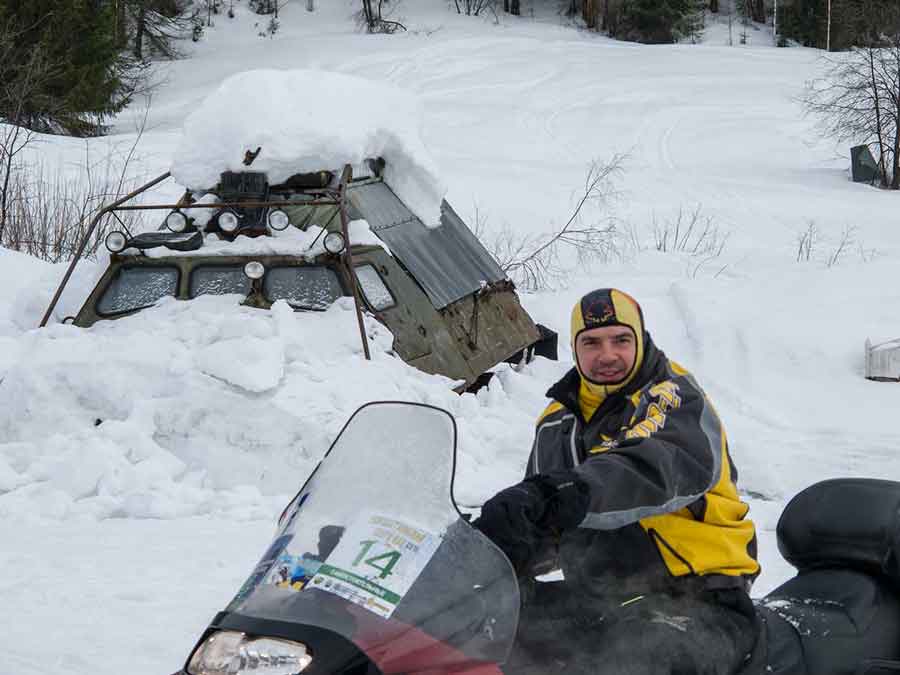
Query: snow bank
[310, 120]
[29, 285]
[209, 407]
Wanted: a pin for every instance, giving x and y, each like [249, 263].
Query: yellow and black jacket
[664, 501]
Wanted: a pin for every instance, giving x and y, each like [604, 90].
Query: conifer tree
[658, 21]
[156, 26]
[81, 84]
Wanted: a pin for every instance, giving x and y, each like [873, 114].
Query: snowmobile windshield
[374, 548]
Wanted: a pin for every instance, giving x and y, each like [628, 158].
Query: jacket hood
[608, 307]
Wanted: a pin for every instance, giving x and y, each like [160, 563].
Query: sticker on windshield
[376, 563]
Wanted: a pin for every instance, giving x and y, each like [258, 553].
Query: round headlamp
[228, 221]
[177, 221]
[232, 653]
[278, 220]
[334, 242]
[115, 242]
[254, 270]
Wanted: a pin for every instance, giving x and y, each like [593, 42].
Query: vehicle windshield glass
[374, 549]
[219, 280]
[373, 288]
[303, 287]
[137, 287]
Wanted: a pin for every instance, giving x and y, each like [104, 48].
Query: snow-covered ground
[143, 462]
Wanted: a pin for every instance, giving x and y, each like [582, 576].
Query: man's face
[606, 354]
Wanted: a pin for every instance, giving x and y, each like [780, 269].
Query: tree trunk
[514, 7]
[369, 14]
[121, 34]
[758, 11]
[589, 13]
[714, 6]
[140, 22]
[895, 169]
[876, 99]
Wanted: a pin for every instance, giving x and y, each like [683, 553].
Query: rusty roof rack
[329, 195]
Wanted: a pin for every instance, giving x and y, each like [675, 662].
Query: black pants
[693, 633]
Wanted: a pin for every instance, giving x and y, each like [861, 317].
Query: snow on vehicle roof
[306, 121]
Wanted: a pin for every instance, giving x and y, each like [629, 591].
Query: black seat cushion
[829, 621]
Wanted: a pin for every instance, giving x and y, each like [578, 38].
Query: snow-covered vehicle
[389, 578]
[314, 238]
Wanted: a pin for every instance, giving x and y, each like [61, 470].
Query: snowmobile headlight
[177, 221]
[228, 221]
[254, 270]
[278, 220]
[334, 242]
[232, 653]
[115, 242]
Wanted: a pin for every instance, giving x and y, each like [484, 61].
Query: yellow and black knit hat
[608, 307]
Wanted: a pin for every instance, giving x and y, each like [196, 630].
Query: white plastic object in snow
[883, 361]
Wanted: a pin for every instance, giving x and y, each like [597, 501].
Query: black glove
[567, 497]
[518, 518]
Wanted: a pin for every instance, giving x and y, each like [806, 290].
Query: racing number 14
[384, 563]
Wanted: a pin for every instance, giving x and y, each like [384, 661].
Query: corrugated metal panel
[448, 261]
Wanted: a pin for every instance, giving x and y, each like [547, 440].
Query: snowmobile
[390, 578]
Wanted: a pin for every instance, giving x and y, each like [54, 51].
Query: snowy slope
[127, 535]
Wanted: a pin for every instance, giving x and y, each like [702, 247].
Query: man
[631, 481]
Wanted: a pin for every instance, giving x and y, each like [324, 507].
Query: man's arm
[669, 456]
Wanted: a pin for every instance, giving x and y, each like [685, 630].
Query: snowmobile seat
[829, 622]
[841, 613]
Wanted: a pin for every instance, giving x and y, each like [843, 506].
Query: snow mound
[310, 120]
[210, 407]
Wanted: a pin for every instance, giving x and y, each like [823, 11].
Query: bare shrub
[806, 242]
[690, 232]
[840, 250]
[534, 262]
[857, 98]
[474, 7]
[812, 246]
[373, 19]
[49, 213]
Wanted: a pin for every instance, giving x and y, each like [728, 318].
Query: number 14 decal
[384, 563]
